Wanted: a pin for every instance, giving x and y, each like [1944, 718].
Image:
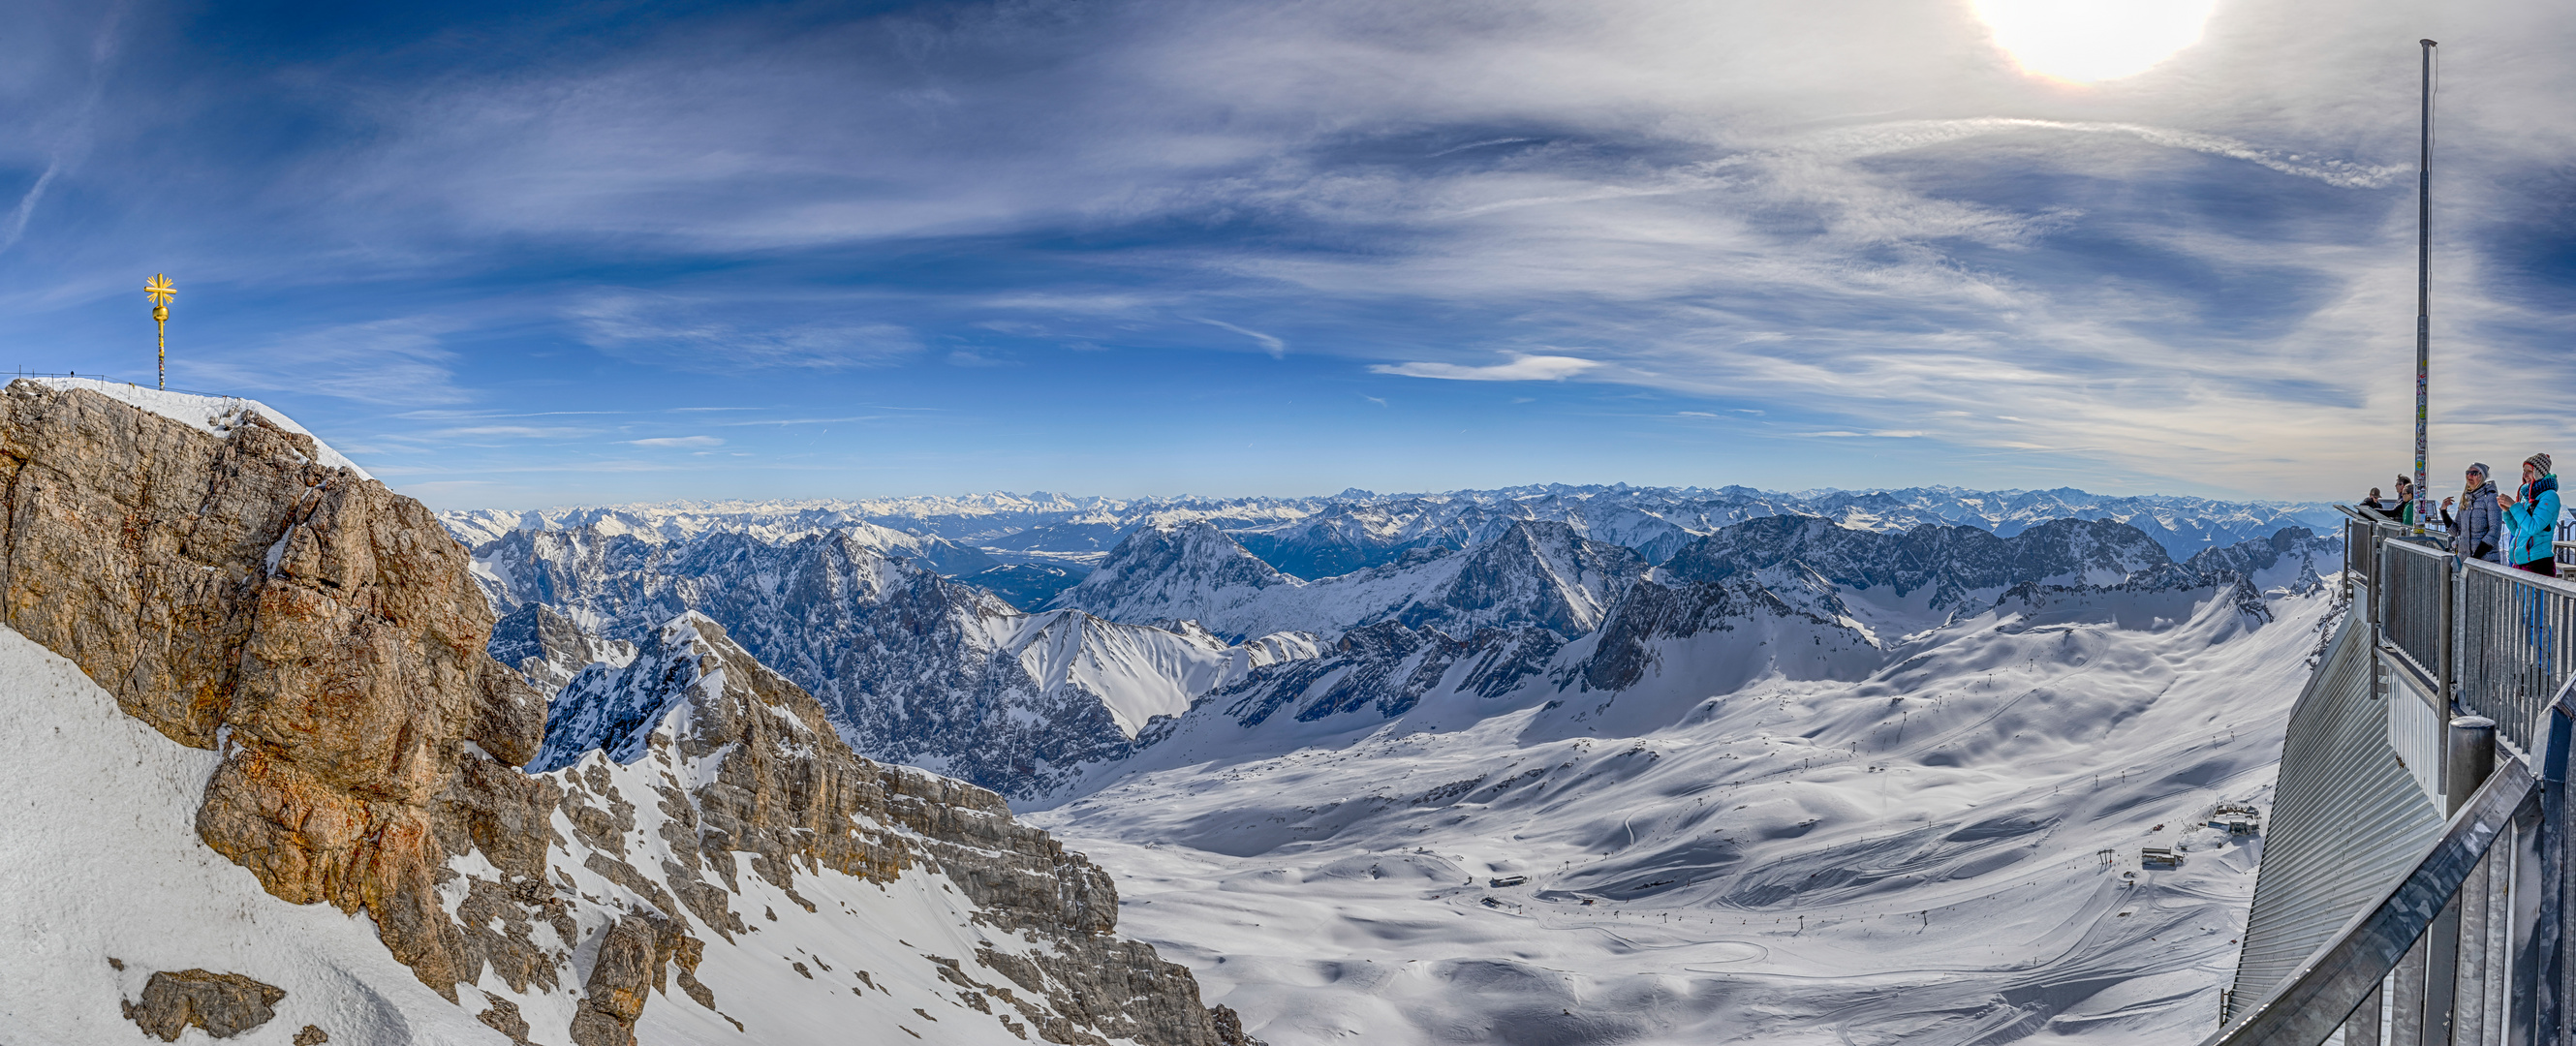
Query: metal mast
[2423, 286]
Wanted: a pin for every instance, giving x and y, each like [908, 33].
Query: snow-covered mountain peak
[1537, 572]
[1173, 571]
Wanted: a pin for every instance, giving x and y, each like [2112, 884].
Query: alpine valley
[303, 762]
[1560, 764]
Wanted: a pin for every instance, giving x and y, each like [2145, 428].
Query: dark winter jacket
[2478, 529]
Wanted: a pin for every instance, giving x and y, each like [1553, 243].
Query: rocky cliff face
[317, 629]
[694, 753]
[325, 638]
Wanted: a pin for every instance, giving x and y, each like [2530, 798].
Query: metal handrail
[2330, 985]
[2516, 643]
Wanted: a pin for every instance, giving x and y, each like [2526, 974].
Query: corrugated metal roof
[2347, 822]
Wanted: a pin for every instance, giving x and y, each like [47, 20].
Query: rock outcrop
[319, 630]
[324, 636]
[224, 1004]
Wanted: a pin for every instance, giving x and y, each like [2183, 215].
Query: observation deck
[2414, 887]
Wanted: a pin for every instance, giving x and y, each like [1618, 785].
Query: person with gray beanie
[2477, 531]
[2530, 519]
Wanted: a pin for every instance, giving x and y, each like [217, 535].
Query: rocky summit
[701, 859]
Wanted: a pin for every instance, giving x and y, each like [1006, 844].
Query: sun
[2089, 41]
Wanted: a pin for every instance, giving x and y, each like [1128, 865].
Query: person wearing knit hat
[2531, 519]
[2476, 532]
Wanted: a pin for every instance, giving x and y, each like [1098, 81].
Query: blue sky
[520, 255]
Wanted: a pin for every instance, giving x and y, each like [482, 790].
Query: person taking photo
[2531, 519]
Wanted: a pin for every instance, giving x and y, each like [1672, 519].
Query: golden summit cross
[160, 290]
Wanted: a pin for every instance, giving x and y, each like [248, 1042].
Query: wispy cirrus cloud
[1520, 368]
[707, 334]
[1276, 347]
[399, 361]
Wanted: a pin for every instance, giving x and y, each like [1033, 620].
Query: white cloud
[509, 432]
[1521, 368]
[677, 441]
[1274, 346]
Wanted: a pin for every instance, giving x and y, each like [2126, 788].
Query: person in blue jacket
[2531, 519]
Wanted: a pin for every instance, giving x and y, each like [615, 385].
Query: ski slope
[1946, 851]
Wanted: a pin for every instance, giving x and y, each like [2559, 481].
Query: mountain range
[919, 667]
[1316, 537]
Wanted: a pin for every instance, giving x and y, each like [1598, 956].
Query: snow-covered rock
[212, 415]
[261, 754]
[911, 667]
[550, 649]
[1188, 571]
[1951, 567]
[879, 888]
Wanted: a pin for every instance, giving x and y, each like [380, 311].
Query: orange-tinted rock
[320, 629]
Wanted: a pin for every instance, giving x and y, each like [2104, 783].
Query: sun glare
[2088, 41]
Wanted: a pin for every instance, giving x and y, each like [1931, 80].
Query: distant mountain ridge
[1325, 536]
[1534, 572]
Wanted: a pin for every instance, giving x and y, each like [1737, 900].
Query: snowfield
[1946, 851]
[100, 859]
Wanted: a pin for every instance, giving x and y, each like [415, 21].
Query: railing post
[2361, 1028]
[2540, 888]
[2470, 756]
[2446, 674]
[2378, 585]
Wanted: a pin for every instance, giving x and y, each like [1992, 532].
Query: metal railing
[2495, 640]
[2455, 941]
[2517, 641]
[2414, 596]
